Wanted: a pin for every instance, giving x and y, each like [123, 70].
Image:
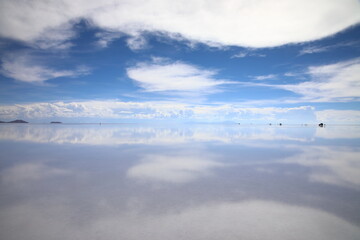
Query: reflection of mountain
[135, 134]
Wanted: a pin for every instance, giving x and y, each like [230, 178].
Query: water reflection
[335, 132]
[173, 168]
[242, 220]
[137, 134]
[179, 182]
[25, 172]
[331, 164]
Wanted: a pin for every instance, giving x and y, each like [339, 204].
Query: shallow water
[132, 181]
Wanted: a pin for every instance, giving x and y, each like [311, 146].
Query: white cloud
[265, 77]
[240, 55]
[318, 49]
[338, 82]
[174, 77]
[106, 37]
[244, 54]
[137, 42]
[56, 38]
[313, 49]
[24, 68]
[233, 22]
[156, 110]
[338, 116]
[291, 74]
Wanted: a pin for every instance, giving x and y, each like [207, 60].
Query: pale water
[132, 181]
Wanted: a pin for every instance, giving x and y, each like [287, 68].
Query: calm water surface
[179, 182]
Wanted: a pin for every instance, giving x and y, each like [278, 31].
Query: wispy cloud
[179, 77]
[24, 68]
[106, 37]
[318, 49]
[313, 49]
[291, 74]
[244, 54]
[264, 77]
[338, 82]
[55, 38]
[223, 22]
[137, 42]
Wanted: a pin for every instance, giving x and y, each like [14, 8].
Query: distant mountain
[15, 121]
[55, 122]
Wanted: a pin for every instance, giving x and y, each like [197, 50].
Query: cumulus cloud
[172, 77]
[242, 23]
[24, 68]
[338, 82]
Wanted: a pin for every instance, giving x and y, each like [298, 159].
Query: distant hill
[56, 122]
[15, 121]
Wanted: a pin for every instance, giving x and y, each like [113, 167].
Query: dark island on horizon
[55, 122]
[15, 121]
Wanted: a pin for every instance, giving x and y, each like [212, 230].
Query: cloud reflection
[329, 164]
[336, 132]
[173, 169]
[216, 182]
[136, 134]
[26, 172]
[223, 220]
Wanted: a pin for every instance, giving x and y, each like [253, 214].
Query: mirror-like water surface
[179, 182]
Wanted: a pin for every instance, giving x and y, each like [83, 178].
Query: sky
[259, 61]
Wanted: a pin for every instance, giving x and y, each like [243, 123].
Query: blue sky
[199, 61]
